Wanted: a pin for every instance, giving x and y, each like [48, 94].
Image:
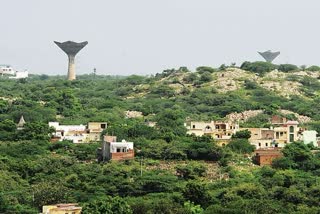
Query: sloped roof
[21, 122]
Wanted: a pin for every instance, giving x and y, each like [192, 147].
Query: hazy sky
[148, 36]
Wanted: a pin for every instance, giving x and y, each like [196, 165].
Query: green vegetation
[173, 172]
[259, 68]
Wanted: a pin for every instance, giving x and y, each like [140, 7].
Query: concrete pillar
[71, 68]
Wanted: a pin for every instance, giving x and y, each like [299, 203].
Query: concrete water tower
[269, 56]
[71, 49]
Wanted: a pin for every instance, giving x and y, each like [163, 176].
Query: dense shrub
[287, 68]
[259, 68]
[313, 68]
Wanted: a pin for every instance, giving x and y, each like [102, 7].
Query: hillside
[172, 172]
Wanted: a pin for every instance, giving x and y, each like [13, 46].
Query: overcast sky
[147, 36]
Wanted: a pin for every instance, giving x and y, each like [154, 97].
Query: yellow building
[95, 129]
[274, 136]
[215, 129]
[61, 209]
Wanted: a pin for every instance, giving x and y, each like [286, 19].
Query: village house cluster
[267, 141]
[78, 133]
[281, 132]
[110, 150]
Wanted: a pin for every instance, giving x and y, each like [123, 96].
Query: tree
[313, 68]
[243, 134]
[203, 69]
[68, 104]
[241, 145]
[259, 68]
[192, 209]
[206, 77]
[297, 155]
[171, 123]
[197, 193]
[7, 130]
[107, 205]
[297, 152]
[36, 131]
[190, 78]
[191, 171]
[287, 68]
[50, 193]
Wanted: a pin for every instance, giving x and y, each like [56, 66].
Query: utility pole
[141, 160]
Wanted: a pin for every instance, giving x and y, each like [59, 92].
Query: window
[103, 126]
[266, 144]
[259, 144]
[277, 135]
[193, 126]
[291, 129]
[118, 149]
[281, 134]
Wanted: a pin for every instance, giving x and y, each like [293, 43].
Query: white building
[20, 75]
[78, 133]
[6, 70]
[74, 133]
[310, 137]
[117, 150]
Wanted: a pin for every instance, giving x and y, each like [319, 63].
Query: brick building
[112, 150]
[266, 156]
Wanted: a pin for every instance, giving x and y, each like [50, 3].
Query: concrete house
[78, 133]
[61, 209]
[274, 136]
[112, 150]
[6, 70]
[95, 129]
[218, 130]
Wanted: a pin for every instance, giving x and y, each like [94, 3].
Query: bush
[313, 68]
[190, 78]
[203, 69]
[243, 134]
[191, 171]
[258, 67]
[248, 84]
[241, 146]
[206, 77]
[287, 68]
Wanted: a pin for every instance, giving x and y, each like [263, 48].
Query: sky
[148, 36]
